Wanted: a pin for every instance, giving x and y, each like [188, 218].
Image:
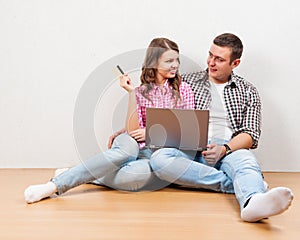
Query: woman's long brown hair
[157, 47]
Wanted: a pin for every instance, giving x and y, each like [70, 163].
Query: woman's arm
[132, 120]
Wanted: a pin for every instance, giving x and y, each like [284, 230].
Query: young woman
[125, 166]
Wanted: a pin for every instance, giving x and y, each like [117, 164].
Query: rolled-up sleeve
[251, 122]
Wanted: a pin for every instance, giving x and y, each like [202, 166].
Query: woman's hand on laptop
[213, 153]
[139, 135]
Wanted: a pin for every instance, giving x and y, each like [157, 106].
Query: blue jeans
[123, 167]
[134, 175]
[238, 172]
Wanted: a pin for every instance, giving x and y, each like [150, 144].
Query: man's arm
[240, 141]
[215, 152]
[112, 137]
[251, 117]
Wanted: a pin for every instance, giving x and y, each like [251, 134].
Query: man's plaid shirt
[242, 102]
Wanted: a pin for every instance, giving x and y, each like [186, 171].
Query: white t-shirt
[219, 124]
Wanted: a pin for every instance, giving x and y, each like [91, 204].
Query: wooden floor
[93, 212]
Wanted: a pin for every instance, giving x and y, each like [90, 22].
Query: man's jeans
[238, 172]
[123, 167]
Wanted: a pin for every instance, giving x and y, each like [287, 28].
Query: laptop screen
[185, 129]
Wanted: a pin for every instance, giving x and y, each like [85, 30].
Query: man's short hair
[232, 41]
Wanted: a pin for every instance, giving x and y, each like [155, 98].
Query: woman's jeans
[238, 172]
[123, 167]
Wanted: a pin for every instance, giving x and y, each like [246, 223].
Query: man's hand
[213, 153]
[139, 135]
[111, 140]
[112, 137]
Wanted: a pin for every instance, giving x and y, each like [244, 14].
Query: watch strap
[228, 149]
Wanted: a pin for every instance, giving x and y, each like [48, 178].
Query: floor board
[93, 212]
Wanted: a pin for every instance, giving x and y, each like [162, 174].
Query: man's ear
[235, 63]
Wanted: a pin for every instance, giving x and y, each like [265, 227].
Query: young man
[234, 127]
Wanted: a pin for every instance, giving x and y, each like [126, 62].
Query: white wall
[50, 49]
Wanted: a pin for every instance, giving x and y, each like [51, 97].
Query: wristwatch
[228, 149]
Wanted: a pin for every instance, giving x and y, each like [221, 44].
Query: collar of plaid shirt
[242, 102]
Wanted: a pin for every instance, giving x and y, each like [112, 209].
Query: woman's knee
[156, 160]
[163, 157]
[134, 176]
[127, 144]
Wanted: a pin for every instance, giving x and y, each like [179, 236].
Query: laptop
[185, 129]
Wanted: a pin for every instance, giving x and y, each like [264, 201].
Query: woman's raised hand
[125, 82]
